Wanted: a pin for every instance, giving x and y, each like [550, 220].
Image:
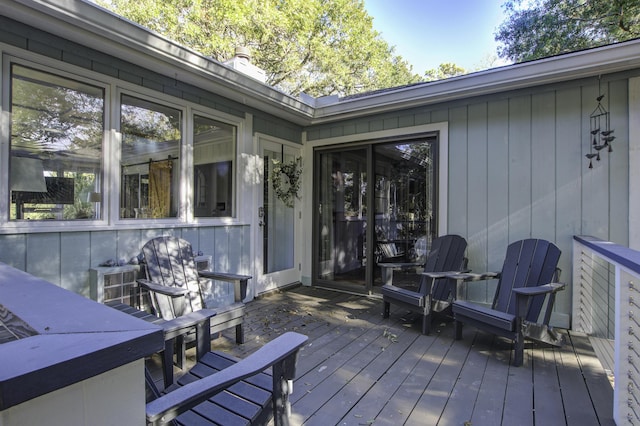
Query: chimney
[242, 62]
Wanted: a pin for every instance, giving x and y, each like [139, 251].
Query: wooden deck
[359, 369]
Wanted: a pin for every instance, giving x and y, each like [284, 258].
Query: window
[214, 153]
[57, 127]
[57, 159]
[150, 166]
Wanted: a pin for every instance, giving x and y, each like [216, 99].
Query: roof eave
[592, 62]
[89, 25]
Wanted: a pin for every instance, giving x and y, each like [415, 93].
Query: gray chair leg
[386, 309]
[426, 323]
[458, 330]
[239, 334]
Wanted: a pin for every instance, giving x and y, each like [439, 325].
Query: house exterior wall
[65, 258]
[517, 169]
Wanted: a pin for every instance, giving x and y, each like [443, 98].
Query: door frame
[441, 129]
[265, 283]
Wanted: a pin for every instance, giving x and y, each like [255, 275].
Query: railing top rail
[616, 253]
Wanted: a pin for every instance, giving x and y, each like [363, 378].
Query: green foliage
[444, 70]
[314, 46]
[549, 27]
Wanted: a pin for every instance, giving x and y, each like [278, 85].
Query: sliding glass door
[376, 202]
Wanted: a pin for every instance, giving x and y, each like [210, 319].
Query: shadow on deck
[359, 369]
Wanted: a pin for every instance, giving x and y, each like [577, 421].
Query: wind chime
[600, 131]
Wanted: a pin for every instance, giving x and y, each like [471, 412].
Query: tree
[314, 46]
[551, 27]
[444, 70]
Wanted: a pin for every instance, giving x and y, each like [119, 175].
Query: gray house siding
[517, 169]
[65, 258]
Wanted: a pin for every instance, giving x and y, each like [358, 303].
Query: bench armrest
[281, 350]
[162, 289]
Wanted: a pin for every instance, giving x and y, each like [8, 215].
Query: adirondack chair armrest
[165, 290]
[239, 282]
[444, 274]
[458, 279]
[538, 290]
[399, 264]
[279, 353]
[199, 320]
[470, 277]
[175, 327]
[525, 294]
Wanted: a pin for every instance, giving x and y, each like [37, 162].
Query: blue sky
[427, 33]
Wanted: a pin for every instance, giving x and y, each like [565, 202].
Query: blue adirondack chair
[529, 274]
[220, 389]
[445, 257]
[174, 286]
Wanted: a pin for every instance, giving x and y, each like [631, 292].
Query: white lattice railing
[606, 304]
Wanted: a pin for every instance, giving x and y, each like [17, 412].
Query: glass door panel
[404, 207]
[342, 195]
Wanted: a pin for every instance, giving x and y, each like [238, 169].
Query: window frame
[7, 60]
[111, 150]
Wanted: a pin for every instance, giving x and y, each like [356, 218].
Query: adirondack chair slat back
[528, 263]
[169, 261]
[446, 254]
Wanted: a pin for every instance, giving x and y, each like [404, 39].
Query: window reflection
[57, 127]
[213, 158]
[151, 135]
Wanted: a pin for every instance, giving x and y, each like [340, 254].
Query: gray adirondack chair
[528, 276]
[220, 389]
[446, 256]
[175, 289]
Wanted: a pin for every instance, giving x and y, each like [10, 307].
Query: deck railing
[606, 304]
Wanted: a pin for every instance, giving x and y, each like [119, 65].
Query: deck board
[489, 402]
[360, 369]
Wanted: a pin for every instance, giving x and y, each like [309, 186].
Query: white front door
[278, 228]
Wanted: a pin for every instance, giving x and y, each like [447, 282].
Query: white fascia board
[592, 62]
[90, 25]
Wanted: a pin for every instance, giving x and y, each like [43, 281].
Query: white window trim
[111, 150]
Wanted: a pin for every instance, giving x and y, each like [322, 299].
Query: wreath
[285, 180]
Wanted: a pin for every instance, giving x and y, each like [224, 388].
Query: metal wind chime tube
[600, 131]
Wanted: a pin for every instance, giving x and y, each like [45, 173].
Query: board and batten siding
[517, 169]
[64, 258]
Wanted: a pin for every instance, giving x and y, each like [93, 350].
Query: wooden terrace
[359, 369]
